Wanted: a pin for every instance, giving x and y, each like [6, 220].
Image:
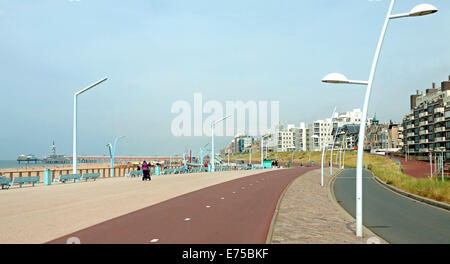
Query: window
[430, 137]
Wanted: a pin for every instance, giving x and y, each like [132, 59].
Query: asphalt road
[234, 212]
[397, 219]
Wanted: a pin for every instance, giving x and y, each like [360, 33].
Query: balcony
[423, 141]
[439, 119]
[423, 132]
[410, 126]
[439, 129]
[410, 142]
[439, 110]
[424, 150]
[439, 139]
[423, 114]
[423, 123]
[410, 135]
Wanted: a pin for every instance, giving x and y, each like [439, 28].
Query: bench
[67, 177]
[88, 176]
[195, 170]
[135, 173]
[4, 182]
[180, 170]
[25, 180]
[167, 171]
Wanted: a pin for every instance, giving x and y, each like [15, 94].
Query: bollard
[157, 170]
[47, 177]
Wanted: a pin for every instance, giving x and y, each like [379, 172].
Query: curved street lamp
[419, 10]
[75, 128]
[213, 157]
[112, 153]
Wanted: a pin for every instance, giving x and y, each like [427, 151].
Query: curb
[412, 196]
[332, 197]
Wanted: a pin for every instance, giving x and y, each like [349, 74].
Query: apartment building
[427, 126]
[322, 132]
[281, 140]
[240, 143]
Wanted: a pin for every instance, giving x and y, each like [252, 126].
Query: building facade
[427, 125]
[384, 137]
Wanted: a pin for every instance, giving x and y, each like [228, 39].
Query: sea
[13, 164]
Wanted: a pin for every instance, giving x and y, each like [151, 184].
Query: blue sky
[157, 52]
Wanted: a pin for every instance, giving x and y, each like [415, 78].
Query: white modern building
[281, 140]
[319, 133]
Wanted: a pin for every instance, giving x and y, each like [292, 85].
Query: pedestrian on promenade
[145, 171]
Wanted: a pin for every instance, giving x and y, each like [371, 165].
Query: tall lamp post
[213, 126]
[332, 147]
[419, 10]
[112, 153]
[324, 144]
[262, 151]
[75, 98]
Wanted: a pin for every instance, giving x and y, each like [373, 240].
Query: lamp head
[335, 78]
[422, 10]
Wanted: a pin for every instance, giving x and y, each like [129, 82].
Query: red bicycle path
[415, 168]
[235, 212]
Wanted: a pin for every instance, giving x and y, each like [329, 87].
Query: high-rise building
[427, 126]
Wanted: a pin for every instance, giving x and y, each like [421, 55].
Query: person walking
[145, 171]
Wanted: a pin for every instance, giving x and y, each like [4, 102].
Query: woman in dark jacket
[145, 171]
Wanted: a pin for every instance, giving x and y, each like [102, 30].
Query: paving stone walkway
[307, 215]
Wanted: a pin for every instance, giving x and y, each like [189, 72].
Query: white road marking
[234, 192]
[222, 198]
[187, 219]
[242, 187]
[208, 206]
[251, 184]
[154, 240]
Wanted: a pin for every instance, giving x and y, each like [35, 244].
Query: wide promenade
[43, 213]
[237, 211]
